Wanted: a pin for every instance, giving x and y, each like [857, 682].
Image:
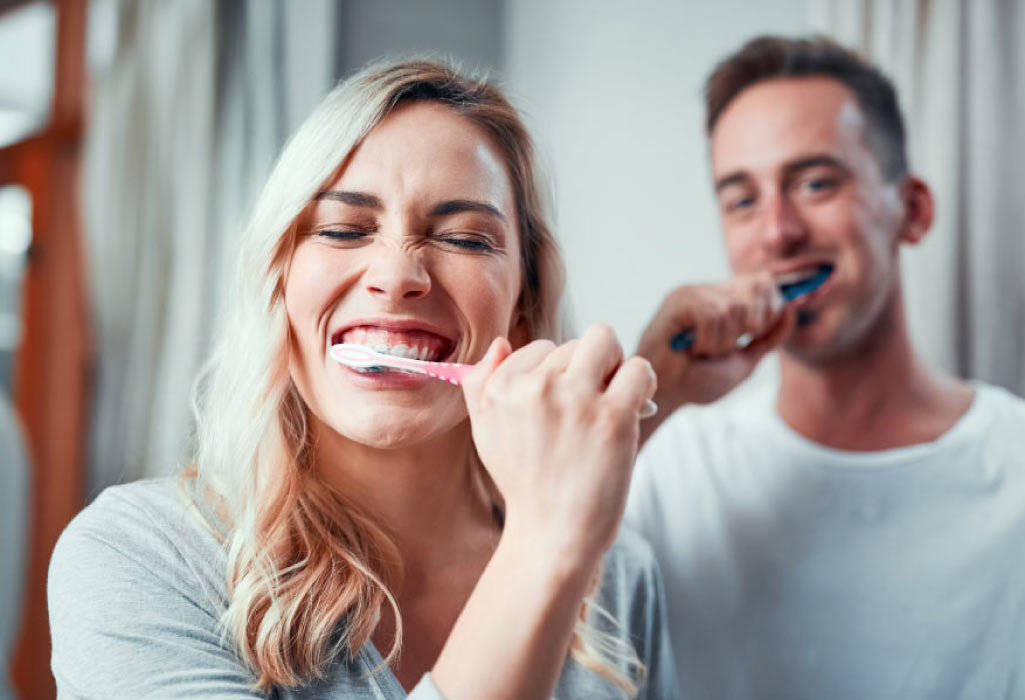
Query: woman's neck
[427, 496]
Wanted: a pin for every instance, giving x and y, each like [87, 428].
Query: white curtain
[191, 100]
[959, 68]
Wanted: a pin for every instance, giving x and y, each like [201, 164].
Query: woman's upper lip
[393, 324]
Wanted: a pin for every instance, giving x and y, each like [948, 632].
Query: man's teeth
[799, 276]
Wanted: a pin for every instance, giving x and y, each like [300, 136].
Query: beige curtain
[191, 101]
[959, 66]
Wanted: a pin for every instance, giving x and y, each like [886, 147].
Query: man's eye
[739, 203]
[818, 184]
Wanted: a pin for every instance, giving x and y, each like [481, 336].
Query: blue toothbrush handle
[682, 340]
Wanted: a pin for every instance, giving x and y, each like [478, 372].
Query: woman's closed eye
[465, 241]
[344, 235]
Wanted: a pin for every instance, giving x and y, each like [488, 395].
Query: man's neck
[880, 396]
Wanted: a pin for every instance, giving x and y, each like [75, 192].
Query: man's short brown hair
[773, 57]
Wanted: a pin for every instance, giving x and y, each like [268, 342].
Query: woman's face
[413, 250]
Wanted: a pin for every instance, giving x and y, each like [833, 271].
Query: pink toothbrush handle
[450, 372]
[454, 373]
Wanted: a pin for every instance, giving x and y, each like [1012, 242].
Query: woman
[351, 534]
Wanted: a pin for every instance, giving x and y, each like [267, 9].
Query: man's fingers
[774, 338]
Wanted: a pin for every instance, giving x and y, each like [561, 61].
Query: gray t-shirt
[137, 587]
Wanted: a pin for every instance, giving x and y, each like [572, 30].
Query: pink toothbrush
[362, 357]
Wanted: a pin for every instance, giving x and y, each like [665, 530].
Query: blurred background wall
[111, 280]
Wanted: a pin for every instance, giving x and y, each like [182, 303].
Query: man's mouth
[804, 274]
[804, 280]
[414, 344]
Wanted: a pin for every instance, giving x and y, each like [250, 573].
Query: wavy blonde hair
[308, 571]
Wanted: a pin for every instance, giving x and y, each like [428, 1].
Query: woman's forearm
[513, 635]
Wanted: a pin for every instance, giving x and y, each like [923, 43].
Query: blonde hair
[308, 571]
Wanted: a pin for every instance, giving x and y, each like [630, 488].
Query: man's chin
[811, 342]
[806, 318]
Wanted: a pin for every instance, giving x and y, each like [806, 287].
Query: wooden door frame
[51, 368]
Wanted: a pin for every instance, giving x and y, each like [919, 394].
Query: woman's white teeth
[411, 352]
[413, 346]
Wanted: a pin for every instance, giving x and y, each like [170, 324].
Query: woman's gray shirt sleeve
[137, 588]
[131, 615]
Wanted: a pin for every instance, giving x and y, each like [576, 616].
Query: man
[859, 530]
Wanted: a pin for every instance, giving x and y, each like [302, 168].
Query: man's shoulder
[999, 419]
[1000, 402]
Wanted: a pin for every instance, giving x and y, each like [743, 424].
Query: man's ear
[919, 210]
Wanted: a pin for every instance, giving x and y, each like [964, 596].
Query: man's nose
[397, 272]
[785, 230]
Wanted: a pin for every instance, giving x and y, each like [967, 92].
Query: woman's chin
[394, 429]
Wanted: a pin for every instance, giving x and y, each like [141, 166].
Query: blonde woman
[363, 535]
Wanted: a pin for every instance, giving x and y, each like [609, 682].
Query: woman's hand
[557, 429]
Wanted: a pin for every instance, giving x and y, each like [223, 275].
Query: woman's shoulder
[142, 530]
[631, 588]
[632, 613]
[630, 563]
[137, 585]
[144, 513]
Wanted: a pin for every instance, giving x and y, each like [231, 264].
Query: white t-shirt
[793, 570]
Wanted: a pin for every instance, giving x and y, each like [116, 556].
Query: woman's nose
[397, 273]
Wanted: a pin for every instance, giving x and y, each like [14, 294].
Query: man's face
[798, 188]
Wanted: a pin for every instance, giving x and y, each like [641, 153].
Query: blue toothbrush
[685, 339]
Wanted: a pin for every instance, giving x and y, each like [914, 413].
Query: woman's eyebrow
[455, 206]
[356, 199]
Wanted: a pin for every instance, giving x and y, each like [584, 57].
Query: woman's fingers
[560, 357]
[526, 358]
[596, 358]
[633, 384]
[473, 383]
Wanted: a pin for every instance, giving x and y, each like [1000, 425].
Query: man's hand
[747, 309]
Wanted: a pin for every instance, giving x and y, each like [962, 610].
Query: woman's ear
[519, 335]
[919, 210]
